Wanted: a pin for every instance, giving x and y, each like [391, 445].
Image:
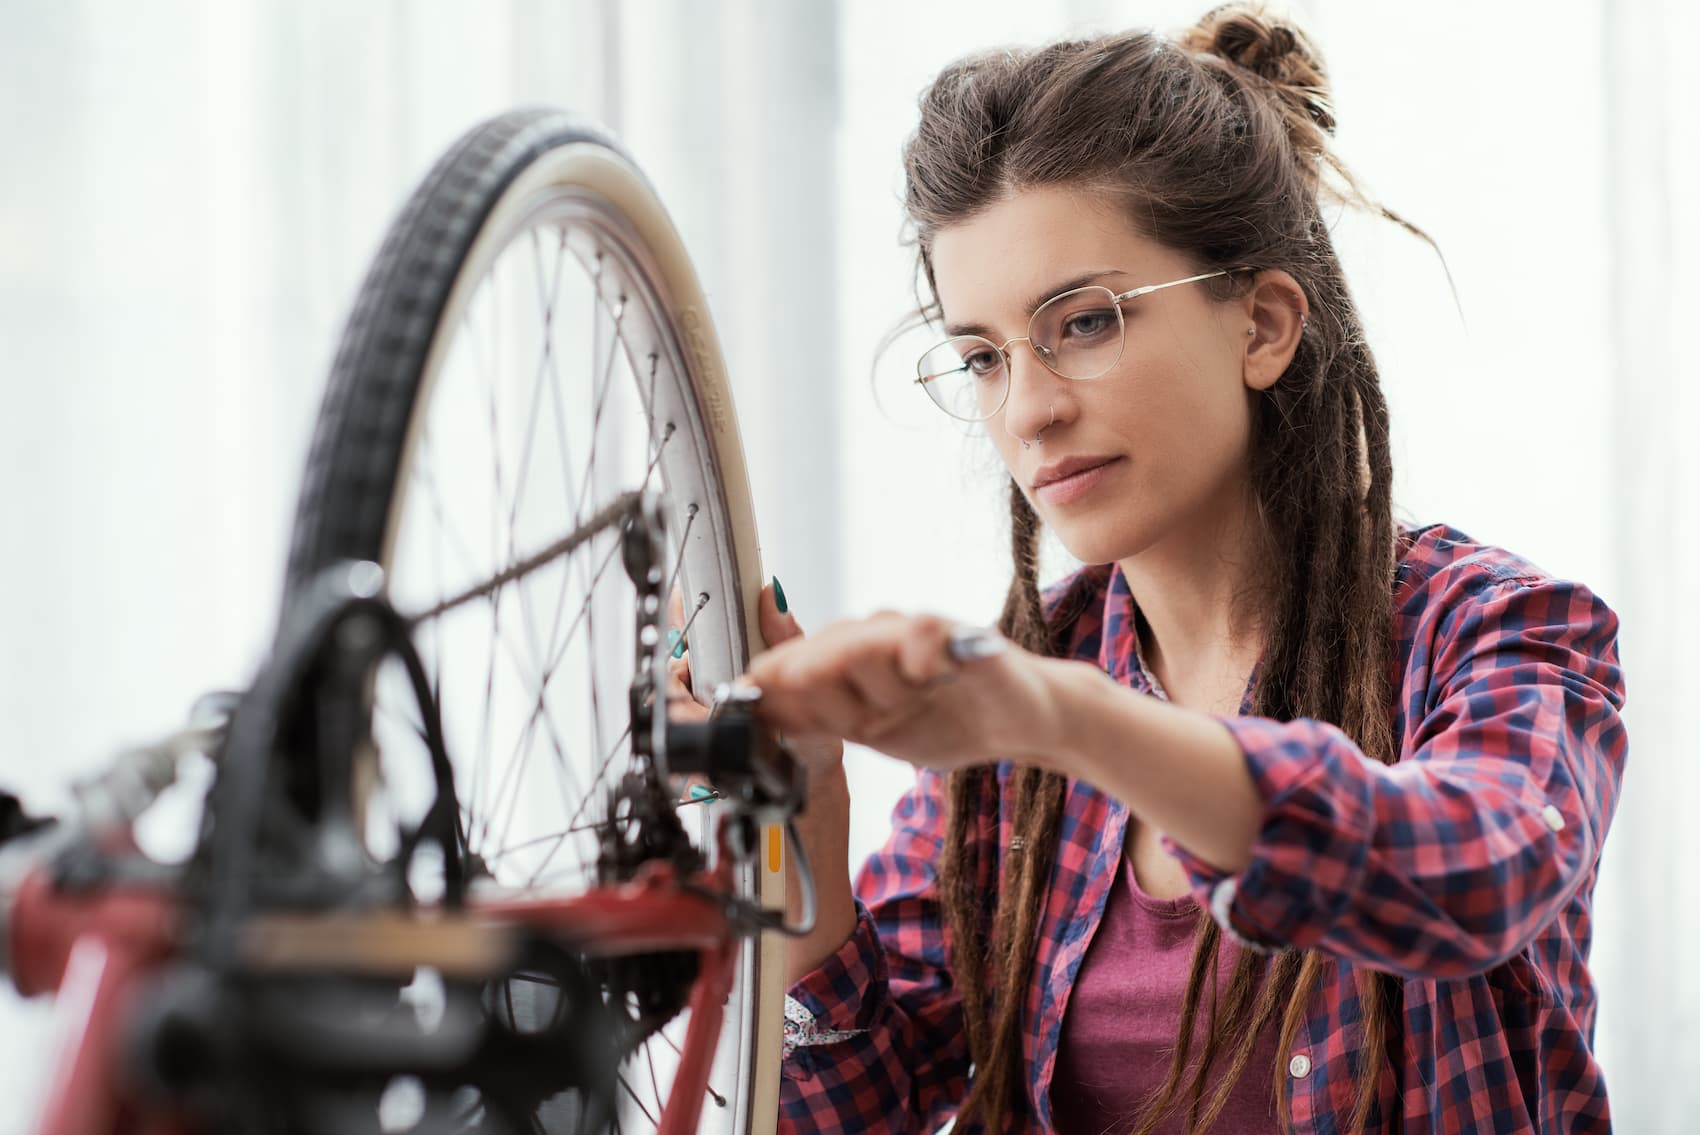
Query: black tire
[477, 199]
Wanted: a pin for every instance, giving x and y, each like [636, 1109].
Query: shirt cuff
[831, 1003]
[1313, 838]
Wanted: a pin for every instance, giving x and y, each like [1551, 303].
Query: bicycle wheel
[530, 343]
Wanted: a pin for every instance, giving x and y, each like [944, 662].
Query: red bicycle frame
[98, 948]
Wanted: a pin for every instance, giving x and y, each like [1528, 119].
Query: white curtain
[193, 190]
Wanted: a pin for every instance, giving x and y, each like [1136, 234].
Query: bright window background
[192, 191]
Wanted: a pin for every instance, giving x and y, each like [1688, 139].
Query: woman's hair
[1215, 144]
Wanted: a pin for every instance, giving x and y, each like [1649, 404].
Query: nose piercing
[1025, 444]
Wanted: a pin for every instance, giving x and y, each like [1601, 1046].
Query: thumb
[777, 622]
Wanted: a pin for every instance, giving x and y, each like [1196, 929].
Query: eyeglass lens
[1077, 335]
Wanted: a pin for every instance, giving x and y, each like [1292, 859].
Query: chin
[1096, 543]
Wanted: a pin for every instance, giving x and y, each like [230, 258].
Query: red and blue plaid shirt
[1467, 869]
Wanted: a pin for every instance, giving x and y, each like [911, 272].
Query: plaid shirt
[1467, 869]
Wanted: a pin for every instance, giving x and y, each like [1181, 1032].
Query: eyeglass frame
[1116, 301]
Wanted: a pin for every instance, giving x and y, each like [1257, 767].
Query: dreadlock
[1217, 144]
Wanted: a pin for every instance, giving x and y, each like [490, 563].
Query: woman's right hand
[823, 827]
[821, 756]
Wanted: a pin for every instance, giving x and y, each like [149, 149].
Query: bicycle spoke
[424, 472]
[654, 1083]
[690, 621]
[595, 825]
[483, 751]
[599, 402]
[540, 702]
[606, 517]
[537, 873]
[545, 367]
[624, 1083]
[412, 724]
[559, 338]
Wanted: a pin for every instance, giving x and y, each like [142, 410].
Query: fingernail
[677, 642]
[779, 597]
[701, 792]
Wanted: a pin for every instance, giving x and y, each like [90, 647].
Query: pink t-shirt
[1118, 1031]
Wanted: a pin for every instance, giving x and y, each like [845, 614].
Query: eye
[983, 363]
[1090, 324]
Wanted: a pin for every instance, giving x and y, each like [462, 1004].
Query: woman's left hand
[890, 682]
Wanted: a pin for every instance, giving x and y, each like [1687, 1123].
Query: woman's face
[1170, 422]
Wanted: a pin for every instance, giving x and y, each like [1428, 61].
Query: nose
[1033, 392]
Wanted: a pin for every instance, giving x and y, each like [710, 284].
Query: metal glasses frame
[1044, 353]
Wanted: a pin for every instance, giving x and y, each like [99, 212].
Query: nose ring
[1025, 444]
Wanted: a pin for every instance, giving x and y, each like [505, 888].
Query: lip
[1065, 480]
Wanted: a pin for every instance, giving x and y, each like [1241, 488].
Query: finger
[810, 699]
[676, 643]
[923, 657]
[682, 702]
[805, 684]
[679, 671]
[878, 677]
[852, 674]
[777, 625]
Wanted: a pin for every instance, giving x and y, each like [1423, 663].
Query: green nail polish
[678, 643]
[701, 792]
[779, 597]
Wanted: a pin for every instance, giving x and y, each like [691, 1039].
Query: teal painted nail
[701, 792]
[779, 597]
[677, 641]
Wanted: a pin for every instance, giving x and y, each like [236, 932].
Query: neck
[1198, 590]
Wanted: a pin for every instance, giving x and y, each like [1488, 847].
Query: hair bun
[1247, 36]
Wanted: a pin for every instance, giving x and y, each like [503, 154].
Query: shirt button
[1299, 1066]
[1553, 817]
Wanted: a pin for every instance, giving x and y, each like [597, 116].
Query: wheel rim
[515, 440]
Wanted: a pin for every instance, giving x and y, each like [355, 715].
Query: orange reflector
[775, 848]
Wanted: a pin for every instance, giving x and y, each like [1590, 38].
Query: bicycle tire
[473, 204]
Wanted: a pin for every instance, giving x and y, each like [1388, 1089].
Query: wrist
[825, 788]
[1067, 687]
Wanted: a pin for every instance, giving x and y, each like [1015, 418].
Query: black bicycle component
[642, 827]
[743, 833]
[740, 757]
[287, 1055]
[278, 833]
[14, 821]
[530, 196]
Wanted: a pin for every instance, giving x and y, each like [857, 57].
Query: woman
[1277, 814]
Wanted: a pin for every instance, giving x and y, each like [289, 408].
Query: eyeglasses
[1078, 334]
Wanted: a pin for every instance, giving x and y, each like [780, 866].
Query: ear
[1275, 310]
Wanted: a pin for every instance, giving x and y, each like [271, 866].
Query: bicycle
[414, 903]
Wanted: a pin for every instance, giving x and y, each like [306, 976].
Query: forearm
[1176, 769]
[824, 831]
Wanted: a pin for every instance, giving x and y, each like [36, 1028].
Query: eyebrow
[1040, 297]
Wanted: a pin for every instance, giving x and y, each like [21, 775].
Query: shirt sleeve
[1452, 860]
[875, 1037]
